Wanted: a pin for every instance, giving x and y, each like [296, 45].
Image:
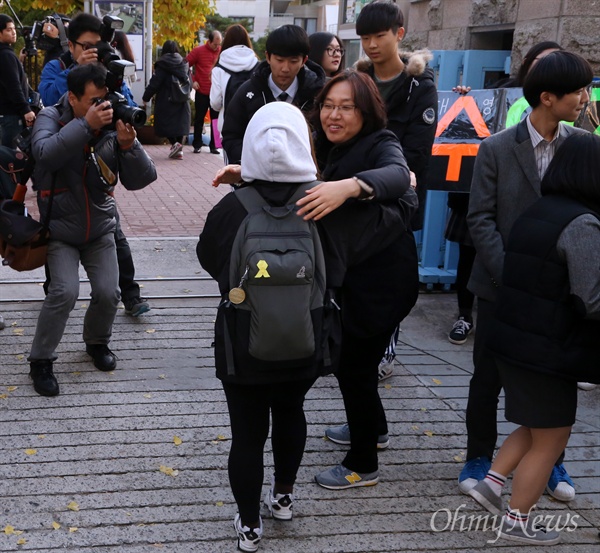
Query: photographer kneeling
[78, 163]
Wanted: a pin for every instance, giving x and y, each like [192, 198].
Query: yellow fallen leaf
[20, 356]
[148, 396]
[436, 381]
[18, 532]
[215, 442]
[186, 290]
[221, 437]
[219, 504]
[14, 323]
[12, 388]
[41, 436]
[415, 427]
[21, 541]
[83, 305]
[18, 331]
[458, 458]
[177, 440]
[3, 396]
[30, 451]
[141, 285]
[428, 433]
[183, 250]
[73, 529]
[162, 376]
[55, 525]
[168, 470]
[73, 506]
[423, 408]
[150, 331]
[388, 386]
[9, 530]
[76, 373]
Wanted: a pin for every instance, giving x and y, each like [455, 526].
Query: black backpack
[236, 79]
[280, 316]
[179, 89]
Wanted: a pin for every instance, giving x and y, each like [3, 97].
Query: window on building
[309, 24]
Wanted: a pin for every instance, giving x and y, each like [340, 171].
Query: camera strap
[62, 32]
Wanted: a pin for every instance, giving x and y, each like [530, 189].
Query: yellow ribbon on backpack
[262, 269]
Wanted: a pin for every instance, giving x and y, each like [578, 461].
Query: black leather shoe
[44, 381]
[104, 359]
[214, 151]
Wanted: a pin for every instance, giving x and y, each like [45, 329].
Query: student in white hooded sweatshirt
[276, 159]
[236, 56]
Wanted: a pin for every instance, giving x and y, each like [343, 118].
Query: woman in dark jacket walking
[172, 116]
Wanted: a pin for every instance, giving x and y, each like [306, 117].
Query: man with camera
[14, 88]
[78, 162]
[85, 32]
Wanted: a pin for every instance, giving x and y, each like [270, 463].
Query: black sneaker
[44, 381]
[460, 331]
[104, 359]
[214, 151]
[136, 306]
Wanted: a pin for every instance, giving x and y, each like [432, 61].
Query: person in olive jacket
[78, 163]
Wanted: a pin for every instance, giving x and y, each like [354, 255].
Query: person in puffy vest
[545, 337]
[78, 164]
[276, 161]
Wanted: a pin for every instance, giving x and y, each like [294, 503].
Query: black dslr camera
[39, 35]
[117, 69]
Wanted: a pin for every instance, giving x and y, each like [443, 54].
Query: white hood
[276, 146]
[238, 58]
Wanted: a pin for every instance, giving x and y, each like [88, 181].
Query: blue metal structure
[439, 257]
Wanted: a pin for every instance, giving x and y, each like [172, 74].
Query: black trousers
[484, 389]
[466, 298]
[202, 103]
[357, 377]
[249, 409]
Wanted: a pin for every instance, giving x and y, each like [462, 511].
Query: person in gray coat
[171, 118]
[506, 180]
[78, 163]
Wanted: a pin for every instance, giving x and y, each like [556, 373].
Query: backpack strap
[252, 201]
[225, 69]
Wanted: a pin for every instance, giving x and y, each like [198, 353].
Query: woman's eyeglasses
[334, 51]
[344, 110]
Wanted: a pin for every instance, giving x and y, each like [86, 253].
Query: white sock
[495, 481]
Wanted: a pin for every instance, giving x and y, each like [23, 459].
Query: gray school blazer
[505, 183]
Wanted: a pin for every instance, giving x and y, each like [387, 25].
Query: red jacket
[202, 59]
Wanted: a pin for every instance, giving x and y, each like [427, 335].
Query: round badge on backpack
[237, 296]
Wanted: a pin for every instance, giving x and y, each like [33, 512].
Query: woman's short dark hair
[236, 35]
[559, 73]
[121, 44]
[379, 16]
[81, 75]
[531, 56]
[170, 47]
[367, 100]
[288, 41]
[575, 170]
[319, 42]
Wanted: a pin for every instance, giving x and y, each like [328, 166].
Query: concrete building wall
[489, 24]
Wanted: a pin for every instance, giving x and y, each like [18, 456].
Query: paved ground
[98, 470]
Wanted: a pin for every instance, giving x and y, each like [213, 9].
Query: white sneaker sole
[277, 515]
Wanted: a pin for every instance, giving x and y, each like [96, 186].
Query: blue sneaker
[473, 472]
[560, 486]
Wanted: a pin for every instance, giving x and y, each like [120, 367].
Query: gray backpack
[277, 287]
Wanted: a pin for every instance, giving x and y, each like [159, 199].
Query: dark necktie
[283, 97]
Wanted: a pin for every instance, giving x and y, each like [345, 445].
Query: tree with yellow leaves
[177, 20]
